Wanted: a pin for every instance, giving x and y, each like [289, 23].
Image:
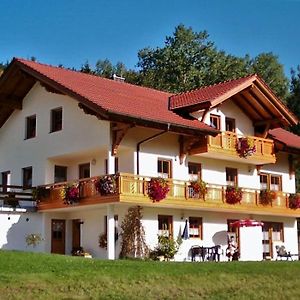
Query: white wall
[228, 109]
[80, 133]
[14, 227]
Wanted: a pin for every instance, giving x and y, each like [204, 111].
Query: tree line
[190, 60]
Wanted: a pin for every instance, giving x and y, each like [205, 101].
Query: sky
[71, 32]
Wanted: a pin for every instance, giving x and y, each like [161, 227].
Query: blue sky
[69, 32]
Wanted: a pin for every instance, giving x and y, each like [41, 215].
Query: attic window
[30, 127]
[215, 121]
[56, 119]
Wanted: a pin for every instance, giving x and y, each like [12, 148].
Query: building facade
[61, 129]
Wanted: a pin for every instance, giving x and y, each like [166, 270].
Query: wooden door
[76, 234]
[58, 236]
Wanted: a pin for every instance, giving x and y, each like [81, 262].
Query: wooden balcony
[132, 189]
[15, 197]
[224, 144]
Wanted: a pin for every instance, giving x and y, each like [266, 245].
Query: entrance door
[272, 231]
[76, 234]
[58, 232]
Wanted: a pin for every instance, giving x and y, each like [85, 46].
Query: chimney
[118, 78]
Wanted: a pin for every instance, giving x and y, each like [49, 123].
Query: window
[195, 227]
[5, 180]
[56, 119]
[270, 182]
[194, 171]
[164, 168]
[27, 177]
[84, 171]
[230, 124]
[231, 177]
[30, 127]
[215, 122]
[165, 225]
[116, 165]
[60, 174]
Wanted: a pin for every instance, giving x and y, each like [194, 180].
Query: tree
[86, 68]
[268, 67]
[189, 60]
[293, 103]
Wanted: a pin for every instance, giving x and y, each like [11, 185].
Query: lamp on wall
[93, 161]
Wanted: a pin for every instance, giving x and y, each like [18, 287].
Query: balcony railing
[225, 143]
[134, 189]
[15, 196]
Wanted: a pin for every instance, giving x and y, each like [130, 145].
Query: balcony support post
[110, 162]
[110, 232]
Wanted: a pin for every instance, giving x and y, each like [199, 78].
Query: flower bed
[158, 189]
[294, 201]
[233, 195]
[70, 194]
[106, 185]
[245, 147]
[266, 197]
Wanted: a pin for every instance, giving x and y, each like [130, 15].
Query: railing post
[185, 190]
[120, 189]
[223, 194]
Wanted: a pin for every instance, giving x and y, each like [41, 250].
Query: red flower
[233, 195]
[158, 189]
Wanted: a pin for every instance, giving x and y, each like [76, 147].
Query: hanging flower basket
[106, 185]
[245, 147]
[266, 197]
[71, 194]
[233, 195]
[294, 201]
[158, 189]
[199, 187]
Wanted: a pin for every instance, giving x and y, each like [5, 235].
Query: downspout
[138, 147]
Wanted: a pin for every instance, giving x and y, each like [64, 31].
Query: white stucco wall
[81, 134]
[14, 227]
[228, 109]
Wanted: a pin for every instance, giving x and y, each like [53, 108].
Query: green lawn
[43, 276]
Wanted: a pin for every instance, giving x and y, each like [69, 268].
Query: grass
[26, 275]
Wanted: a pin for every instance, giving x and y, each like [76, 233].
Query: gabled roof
[250, 93]
[109, 99]
[286, 138]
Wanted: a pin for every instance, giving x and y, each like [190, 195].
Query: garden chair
[282, 253]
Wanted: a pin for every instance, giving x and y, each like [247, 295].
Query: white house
[60, 127]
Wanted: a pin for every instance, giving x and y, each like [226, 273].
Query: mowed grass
[44, 276]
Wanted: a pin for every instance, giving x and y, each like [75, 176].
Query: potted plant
[233, 195]
[71, 194]
[199, 188]
[266, 197]
[245, 147]
[11, 200]
[40, 192]
[294, 201]
[158, 189]
[106, 185]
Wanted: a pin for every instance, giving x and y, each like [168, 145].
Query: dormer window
[30, 127]
[56, 119]
[215, 122]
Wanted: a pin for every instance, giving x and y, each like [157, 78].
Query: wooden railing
[227, 141]
[135, 188]
[181, 190]
[15, 196]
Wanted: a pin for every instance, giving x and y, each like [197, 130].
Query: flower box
[266, 197]
[233, 195]
[245, 147]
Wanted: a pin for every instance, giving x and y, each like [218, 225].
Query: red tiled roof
[116, 97]
[209, 93]
[285, 137]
